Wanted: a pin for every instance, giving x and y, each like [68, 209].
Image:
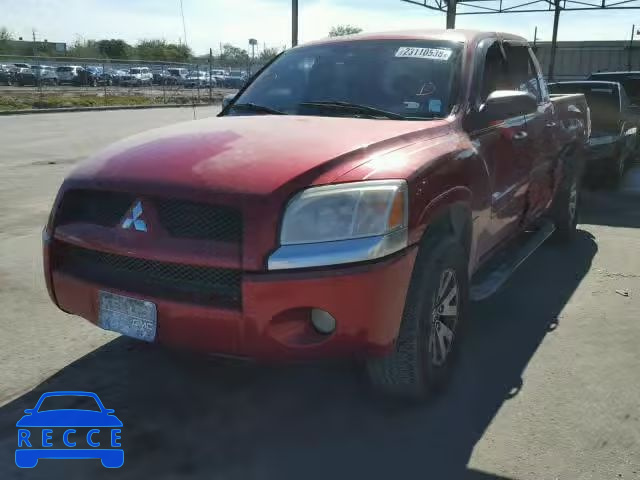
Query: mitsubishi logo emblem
[133, 218]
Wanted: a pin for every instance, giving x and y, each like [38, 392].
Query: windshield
[63, 402]
[64, 69]
[631, 84]
[412, 78]
[134, 70]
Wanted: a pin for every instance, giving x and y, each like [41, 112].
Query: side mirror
[503, 104]
[226, 100]
[29, 411]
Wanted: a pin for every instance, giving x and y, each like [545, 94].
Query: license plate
[128, 316]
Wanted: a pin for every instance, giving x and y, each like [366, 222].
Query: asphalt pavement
[547, 386]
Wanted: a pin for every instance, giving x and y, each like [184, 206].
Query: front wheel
[430, 328]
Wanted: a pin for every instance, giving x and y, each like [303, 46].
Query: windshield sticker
[427, 89]
[435, 105]
[411, 105]
[426, 53]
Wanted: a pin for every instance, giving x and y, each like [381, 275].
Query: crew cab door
[502, 146]
[542, 145]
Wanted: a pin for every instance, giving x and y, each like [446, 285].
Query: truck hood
[255, 154]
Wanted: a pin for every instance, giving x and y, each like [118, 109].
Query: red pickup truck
[348, 201]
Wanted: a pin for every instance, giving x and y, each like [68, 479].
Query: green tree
[267, 54]
[162, 50]
[340, 30]
[5, 38]
[82, 48]
[233, 56]
[114, 48]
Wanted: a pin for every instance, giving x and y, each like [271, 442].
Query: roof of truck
[585, 82]
[455, 35]
[619, 73]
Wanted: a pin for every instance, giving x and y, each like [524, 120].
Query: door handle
[521, 135]
[551, 124]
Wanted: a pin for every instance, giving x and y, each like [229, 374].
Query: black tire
[566, 205]
[616, 167]
[411, 370]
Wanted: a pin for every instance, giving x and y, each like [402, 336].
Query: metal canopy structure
[452, 8]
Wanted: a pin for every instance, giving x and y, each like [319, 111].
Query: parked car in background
[116, 76]
[630, 81]
[107, 77]
[158, 75]
[89, 76]
[37, 75]
[137, 76]
[68, 74]
[614, 129]
[220, 76]
[22, 66]
[176, 76]
[8, 74]
[199, 79]
[351, 201]
[235, 79]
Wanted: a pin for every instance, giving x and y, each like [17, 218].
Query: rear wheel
[429, 332]
[615, 171]
[565, 208]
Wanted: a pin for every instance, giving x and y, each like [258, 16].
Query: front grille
[171, 281]
[93, 206]
[180, 218]
[198, 220]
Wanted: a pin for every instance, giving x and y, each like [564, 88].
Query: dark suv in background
[614, 129]
[8, 74]
[37, 75]
[629, 80]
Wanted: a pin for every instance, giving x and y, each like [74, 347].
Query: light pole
[629, 63]
[253, 42]
[294, 23]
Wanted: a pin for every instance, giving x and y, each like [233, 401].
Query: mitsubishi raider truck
[348, 202]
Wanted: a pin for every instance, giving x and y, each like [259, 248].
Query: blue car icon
[36, 428]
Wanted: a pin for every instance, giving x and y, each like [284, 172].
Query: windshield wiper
[254, 107]
[356, 108]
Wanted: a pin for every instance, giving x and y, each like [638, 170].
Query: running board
[492, 276]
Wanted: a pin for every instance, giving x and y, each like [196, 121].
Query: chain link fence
[46, 82]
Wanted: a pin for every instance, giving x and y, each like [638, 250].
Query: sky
[212, 22]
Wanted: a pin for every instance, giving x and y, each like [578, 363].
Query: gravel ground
[547, 387]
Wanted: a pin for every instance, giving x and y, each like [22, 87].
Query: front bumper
[273, 323]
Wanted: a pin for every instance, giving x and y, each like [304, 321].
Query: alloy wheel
[444, 318]
[573, 200]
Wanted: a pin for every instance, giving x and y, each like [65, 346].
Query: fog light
[322, 321]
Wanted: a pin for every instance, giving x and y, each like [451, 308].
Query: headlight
[346, 223]
[345, 211]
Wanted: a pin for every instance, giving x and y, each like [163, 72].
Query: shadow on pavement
[204, 418]
[614, 209]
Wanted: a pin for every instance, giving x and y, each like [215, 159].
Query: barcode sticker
[427, 53]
